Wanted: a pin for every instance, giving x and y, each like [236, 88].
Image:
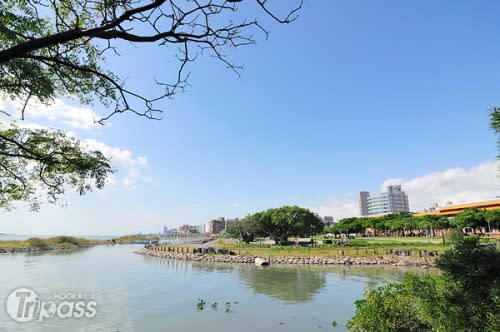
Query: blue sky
[353, 95]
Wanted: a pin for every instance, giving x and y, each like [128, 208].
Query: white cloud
[457, 185]
[63, 116]
[123, 160]
[57, 112]
[338, 208]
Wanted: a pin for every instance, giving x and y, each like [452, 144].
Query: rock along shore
[344, 260]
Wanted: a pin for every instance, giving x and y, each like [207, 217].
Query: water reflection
[142, 293]
[291, 284]
[61, 252]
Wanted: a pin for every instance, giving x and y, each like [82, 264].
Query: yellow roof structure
[458, 208]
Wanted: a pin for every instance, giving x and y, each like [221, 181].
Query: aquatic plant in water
[201, 305]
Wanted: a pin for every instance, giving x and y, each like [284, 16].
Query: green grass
[56, 241]
[399, 243]
[373, 246]
[365, 247]
[130, 238]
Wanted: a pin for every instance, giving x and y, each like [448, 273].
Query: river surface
[141, 293]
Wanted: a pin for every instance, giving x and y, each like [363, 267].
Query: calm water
[138, 293]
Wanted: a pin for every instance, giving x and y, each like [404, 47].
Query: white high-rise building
[393, 201]
[363, 203]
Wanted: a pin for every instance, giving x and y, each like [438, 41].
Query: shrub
[36, 242]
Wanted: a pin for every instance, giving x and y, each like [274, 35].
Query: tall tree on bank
[495, 122]
[56, 48]
[284, 222]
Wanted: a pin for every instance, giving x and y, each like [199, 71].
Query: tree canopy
[404, 223]
[58, 48]
[495, 122]
[52, 48]
[36, 161]
[279, 224]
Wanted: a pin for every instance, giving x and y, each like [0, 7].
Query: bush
[390, 308]
[454, 235]
[60, 240]
[36, 242]
[466, 297]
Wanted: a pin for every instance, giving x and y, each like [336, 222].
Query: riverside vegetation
[396, 234]
[51, 243]
[466, 297]
[65, 242]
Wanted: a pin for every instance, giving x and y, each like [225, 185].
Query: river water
[139, 293]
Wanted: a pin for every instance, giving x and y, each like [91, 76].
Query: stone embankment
[344, 260]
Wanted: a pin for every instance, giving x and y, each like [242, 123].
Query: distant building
[363, 203]
[393, 201]
[218, 225]
[169, 232]
[192, 229]
[184, 229]
[165, 230]
[328, 221]
[200, 229]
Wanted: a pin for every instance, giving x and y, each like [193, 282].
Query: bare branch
[68, 60]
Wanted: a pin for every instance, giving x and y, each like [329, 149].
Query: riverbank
[41, 249]
[250, 259]
[36, 244]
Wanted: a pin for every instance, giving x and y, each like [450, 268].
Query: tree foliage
[244, 230]
[495, 122]
[388, 308]
[475, 270]
[279, 224]
[403, 223]
[495, 119]
[36, 161]
[52, 48]
[465, 298]
[58, 48]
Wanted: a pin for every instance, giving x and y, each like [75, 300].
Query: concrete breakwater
[345, 260]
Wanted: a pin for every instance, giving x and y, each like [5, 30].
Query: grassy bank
[61, 242]
[51, 242]
[134, 238]
[361, 247]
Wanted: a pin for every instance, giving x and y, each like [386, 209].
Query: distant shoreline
[4, 250]
[38, 244]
